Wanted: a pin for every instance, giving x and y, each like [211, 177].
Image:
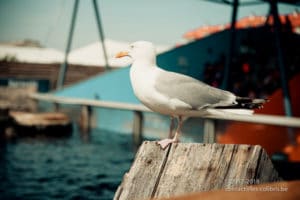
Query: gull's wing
[191, 91]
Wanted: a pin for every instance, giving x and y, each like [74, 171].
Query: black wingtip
[249, 103]
[246, 103]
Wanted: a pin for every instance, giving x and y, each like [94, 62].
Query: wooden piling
[193, 167]
[56, 107]
[137, 128]
[5, 119]
[209, 131]
[85, 121]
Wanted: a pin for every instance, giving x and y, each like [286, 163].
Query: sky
[160, 21]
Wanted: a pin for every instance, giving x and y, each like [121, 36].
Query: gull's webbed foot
[166, 142]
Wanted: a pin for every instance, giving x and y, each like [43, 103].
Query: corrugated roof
[31, 54]
[89, 55]
[92, 54]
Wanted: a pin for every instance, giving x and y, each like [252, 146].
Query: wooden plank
[40, 119]
[34, 124]
[48, 71]
[195, 167]
[144, 173]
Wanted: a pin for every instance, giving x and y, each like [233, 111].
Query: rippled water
[69, 168]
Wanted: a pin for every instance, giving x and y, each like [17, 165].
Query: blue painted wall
[191, 59]
[110, 86]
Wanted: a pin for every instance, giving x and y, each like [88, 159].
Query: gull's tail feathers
[243, 106]
[248, 103]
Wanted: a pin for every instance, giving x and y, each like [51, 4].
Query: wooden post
[85, 118]
[137, 128]
[192, 167]
[209, 131]
[56, 107]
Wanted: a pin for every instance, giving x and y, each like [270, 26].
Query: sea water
[83, 166]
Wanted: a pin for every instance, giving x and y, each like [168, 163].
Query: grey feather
[191, 91]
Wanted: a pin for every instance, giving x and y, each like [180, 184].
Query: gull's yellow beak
[122, 54]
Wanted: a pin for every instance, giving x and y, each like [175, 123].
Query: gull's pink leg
[166, 142]
[171, 127]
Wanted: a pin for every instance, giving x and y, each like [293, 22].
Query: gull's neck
[144, 62]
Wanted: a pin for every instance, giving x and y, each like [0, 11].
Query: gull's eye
[132, 46]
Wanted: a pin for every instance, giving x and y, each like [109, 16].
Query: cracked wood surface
[193, 167]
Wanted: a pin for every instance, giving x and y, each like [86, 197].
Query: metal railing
[209, 115]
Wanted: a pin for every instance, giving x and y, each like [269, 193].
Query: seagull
[175, 94]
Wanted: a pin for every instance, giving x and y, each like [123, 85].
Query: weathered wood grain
[194, 167]
[287, 190]
[142, 178]
[48, 71]
[204, 167]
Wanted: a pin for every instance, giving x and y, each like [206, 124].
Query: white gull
[175, 94]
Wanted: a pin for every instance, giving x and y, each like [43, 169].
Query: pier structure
[139, 109]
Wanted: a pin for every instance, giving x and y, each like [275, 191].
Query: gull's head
[140, 51]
